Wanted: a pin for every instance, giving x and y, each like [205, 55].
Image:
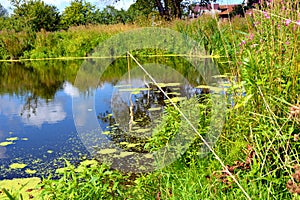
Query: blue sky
[61, 4]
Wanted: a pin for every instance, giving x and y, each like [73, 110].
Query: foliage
[110, 15]
[37, 15]
[141, 8]
[78, 13]
[16, 43]
[89, 180]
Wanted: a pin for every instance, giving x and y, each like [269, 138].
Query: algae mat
[27, 187]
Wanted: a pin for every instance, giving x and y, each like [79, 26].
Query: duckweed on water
[106, 132]
[24, 139]
[17, 166]
[12, 138]
[49, 151]
[30, 171]
[27, 187]
[124, 154]
[107, 151]
[4, 144]
[132, 145]
[154, 109]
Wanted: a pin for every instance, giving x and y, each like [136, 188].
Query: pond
[37, 129]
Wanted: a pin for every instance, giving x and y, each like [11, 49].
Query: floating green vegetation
[24, 139]
[124, 154]
[132, 145]
[89, 162]
[119, 86]
[154, 109]
[168, 84]
[134, 90]
[106, 132]
[107, 151]
[148, 155]
[12, 138]
[4, 144]
[17, 166]
[30, 171]
[212, 88]
[142, 130]
[174, 93]
[49, 151]
[27, 187]
[175, 99]
[123, 143]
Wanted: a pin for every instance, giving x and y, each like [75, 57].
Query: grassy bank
[260, 139]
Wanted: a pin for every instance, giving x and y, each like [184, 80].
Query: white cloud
[50, 113]
[70, 90]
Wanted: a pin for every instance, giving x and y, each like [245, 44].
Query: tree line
[37, 15]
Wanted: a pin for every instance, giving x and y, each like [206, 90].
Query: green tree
[36, 14]
[110, 15]
[141, 8]
[168, 9]
[78, 13]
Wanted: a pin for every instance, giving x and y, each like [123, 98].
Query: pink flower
[287, 22]
[266, 15]
[298, 22]
[242, 43]
[251, 36]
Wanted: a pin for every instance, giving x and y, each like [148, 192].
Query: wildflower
[251, 36]
[287, 42]
[243, 42]
[295, 111]
[266, 15]
[287, 22]
[298, 22]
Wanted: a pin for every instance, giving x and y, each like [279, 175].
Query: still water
[37, 130]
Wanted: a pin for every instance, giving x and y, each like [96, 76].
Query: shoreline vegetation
[260, 140]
